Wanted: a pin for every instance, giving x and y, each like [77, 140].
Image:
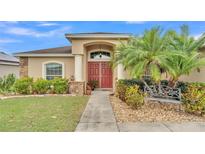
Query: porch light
[100, 55]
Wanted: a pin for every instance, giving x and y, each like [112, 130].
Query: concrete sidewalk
[98, 115]
[162, 127]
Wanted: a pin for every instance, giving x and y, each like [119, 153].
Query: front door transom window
[100, 55]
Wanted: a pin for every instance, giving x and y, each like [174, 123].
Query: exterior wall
[8, 69]
[195, 76]
[79, 44]
[23, 66]
[35, 66]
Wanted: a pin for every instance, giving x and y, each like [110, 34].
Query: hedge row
[41, 86]
[180, 84]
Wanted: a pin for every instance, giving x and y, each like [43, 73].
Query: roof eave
[9, 63]
[102, 36]
[43, 55]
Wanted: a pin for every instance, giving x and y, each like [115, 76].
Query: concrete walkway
[98, 115]
[162, 127]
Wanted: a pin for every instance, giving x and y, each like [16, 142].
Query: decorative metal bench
[164, 92]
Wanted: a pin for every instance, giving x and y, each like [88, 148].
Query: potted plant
[93, 84]
[88, 89]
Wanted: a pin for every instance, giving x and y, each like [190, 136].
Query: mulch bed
[152, 112]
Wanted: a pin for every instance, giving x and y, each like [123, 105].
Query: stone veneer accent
[77, 87]
[23, 67]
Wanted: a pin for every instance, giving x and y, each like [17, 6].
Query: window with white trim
[53, 70]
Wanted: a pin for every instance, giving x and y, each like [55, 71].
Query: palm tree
[156, 52]
[183, 42]
[142, 55]
[183, 56]
[180, 63]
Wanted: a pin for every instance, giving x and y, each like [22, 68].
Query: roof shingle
[58, 50]
[8, 58]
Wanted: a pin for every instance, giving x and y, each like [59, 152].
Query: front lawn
[53, 114]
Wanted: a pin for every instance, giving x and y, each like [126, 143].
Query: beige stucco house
[86, 59]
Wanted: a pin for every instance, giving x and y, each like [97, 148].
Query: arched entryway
[99, 68]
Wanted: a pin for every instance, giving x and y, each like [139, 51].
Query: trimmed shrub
[59, 85]
[134, 97]
[121, 89]
[194, 99]
[184, 85]
[123, 84]
[180, 84]
[6, 83]
[41, 86]
[24, 85]
[133, 82]
[164, 82]
[200, 85]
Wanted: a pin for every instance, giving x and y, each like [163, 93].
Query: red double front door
[102, 72]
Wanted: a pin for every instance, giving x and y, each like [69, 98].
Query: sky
[20, 36]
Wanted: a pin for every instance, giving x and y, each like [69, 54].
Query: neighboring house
[86, 59]
[8, 65]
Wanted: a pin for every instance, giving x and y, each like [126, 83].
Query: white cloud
[196, 36]
[135, 22]
[47, 24]
[20, 31]
[7, 40]
[34, 33]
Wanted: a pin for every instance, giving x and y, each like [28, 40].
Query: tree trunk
[172, 83]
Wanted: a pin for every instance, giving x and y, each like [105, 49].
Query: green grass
[52, 114]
